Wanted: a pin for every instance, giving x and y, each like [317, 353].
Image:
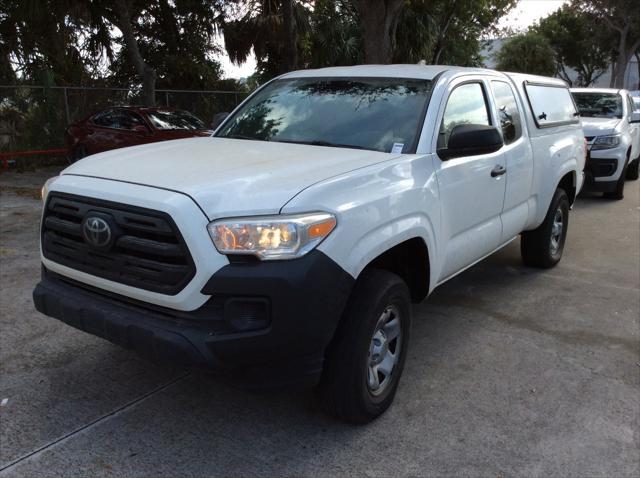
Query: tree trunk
[622, 60]
[379, 21]
[290, 36]
[439, 48]
[146, 73]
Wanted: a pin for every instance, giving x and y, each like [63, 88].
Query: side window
[119, 119]
[106, 119]
[632, 106]
[130, 121]
[508, 113]
[466, 105]
[552, 105]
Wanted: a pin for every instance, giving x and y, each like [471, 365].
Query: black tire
[79, 152]
[346, 384]
[543, 246]
[618, 193]
[633, 170]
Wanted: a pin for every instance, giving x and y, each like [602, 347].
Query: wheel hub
[556, 231]
[384, 351]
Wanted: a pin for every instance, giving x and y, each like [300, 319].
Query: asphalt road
[511, 372]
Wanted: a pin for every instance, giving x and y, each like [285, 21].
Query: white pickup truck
[288, 247]
[611, 127]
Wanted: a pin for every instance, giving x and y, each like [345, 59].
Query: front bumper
[302, 302]
[602, 171]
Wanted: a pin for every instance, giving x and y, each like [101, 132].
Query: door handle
[499, 170]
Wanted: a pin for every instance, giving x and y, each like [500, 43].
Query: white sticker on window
[397, 148]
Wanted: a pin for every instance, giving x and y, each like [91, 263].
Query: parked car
[635, 96]
[611, 127]
[287, 249]
[129, 126]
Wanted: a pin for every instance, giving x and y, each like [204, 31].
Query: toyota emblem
[96, 231]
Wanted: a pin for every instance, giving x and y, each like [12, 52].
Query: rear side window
[508, 113]
[119, 119]
[105, 119]
[466, 105]
[551, 105]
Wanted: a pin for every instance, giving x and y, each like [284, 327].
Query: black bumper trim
[306, 297]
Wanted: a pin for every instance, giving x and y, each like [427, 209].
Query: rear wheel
[365, 361]
[543, 246]
[78, 153]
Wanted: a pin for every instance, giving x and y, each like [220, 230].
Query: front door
[471, 188]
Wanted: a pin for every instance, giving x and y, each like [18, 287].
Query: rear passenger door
[471, 197]
[518, 156]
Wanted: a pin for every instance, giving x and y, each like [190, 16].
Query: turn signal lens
[271, 237]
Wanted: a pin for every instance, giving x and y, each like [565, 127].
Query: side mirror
[635, 116]
[471, 140]
[218, 118]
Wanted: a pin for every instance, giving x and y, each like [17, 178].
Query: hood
[227, 177]
[599, 126]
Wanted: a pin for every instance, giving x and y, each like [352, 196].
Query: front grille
[146, 250]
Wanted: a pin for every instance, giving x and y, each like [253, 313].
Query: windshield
[599, 105]
[174, 119]
[380, 114]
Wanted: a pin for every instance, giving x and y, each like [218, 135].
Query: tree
[379, 22]
[123, 18]
[447, 31]
[579, 42]
[527, 53]
[41, 43]
[335, 36]
[271, 28]
[622, 17]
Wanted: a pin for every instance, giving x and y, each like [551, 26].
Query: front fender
[377, 208]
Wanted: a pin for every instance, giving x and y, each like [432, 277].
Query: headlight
[45, 188]
[606, 142]
[272, 237]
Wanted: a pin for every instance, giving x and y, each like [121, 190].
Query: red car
[119, 127]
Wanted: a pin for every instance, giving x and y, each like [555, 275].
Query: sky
[526, 13]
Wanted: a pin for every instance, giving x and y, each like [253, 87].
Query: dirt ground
[511, 372]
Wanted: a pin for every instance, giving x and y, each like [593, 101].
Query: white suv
[288, 247]
[611, 127]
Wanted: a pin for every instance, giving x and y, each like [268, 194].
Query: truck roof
[426, 72]
[596, 90]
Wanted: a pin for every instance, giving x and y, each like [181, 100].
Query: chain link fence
[35, 117]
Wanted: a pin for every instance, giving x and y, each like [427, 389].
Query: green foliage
[447, 31]
[335, 38]
[580, 42]
[527, 53]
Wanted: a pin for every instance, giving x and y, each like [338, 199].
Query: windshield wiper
[323, 143]
[239, 136]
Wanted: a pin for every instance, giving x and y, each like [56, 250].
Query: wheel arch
[409, 260]
[568, 182]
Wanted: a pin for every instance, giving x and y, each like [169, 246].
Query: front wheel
[633, 170]
[365, 361]
[543, 246]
